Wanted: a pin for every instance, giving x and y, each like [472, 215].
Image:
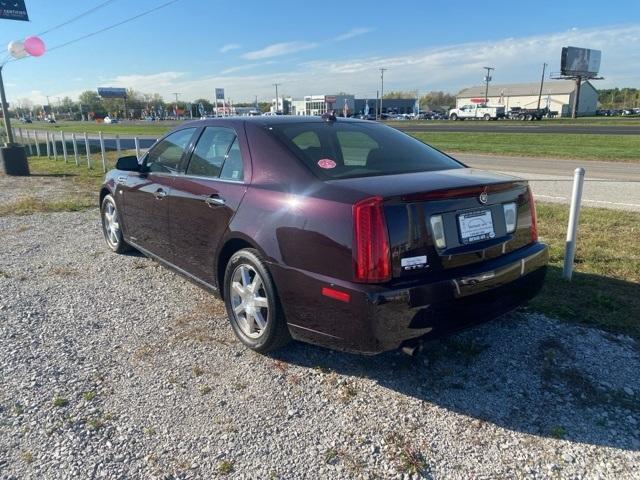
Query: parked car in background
[26, 120]
[339, 232]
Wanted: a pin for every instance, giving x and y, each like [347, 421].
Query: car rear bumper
[377, 319]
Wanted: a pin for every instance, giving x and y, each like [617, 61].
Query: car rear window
[346, 150]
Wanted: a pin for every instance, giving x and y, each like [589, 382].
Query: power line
[127, 20]
[77, 17]
[67, 22]
[88, 35]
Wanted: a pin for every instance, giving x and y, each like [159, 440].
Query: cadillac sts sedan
[343, 233]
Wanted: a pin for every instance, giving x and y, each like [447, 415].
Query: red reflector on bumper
[336, 294]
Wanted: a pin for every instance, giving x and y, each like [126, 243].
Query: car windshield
[360, 149]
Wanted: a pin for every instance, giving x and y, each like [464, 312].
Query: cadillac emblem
[483, 198]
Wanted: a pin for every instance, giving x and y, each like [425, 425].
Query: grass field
[612, 148]
[615, 148]
[80, 186]
[605, 291]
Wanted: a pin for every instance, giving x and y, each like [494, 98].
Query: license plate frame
[476, 226]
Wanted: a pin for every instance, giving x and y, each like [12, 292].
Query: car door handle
[214, 201]
[160, 194]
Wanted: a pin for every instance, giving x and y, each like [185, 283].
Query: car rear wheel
[252, 303]
[487, 117]
[111, 226]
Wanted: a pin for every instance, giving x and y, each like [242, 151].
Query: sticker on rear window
[326, 163]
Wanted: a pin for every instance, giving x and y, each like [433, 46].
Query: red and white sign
[477, 100]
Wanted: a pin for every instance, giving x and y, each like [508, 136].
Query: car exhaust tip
[412, 349]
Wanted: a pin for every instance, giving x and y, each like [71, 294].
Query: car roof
[267, 120]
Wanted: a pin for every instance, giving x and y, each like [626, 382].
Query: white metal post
[55, 147]
[574, 218]
[29, 143]
[75, 148]
[37, 140]
[46, 139]
[64, 146]
[118, 142]
[104, 160]
[20, 135]
[137, 142]
[87, 148]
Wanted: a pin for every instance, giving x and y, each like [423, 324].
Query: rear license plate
[476, 226]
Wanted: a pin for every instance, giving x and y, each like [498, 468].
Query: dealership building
[557, 95]
[319, 104]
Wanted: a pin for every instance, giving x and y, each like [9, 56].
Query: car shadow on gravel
[523, 372]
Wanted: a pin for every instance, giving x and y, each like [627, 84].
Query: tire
[453, 117]
[529, 117]
[111, 225]
[487, 117]
[252, 303]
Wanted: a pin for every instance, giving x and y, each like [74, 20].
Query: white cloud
[146, 83]
[354, 32]
[448, 68]
[228, 47]
[247, 66]
[278, 49]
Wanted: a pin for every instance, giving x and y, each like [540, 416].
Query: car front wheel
[252, 303]
[111, 226]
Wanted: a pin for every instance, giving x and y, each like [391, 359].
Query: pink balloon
[34, 46]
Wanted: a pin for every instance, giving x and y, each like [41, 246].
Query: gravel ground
[42, 187]
[113, 367]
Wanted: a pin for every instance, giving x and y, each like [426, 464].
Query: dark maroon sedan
[343, 233]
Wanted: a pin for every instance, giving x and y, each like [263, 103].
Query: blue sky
[193, 46]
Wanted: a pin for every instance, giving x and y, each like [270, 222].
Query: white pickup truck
[478, 111]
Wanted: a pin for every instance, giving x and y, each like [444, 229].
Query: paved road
[510, 127]
[607, 184]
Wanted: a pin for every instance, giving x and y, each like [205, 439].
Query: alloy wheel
[111, 224]
[249, 301]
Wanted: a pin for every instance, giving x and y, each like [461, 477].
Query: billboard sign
[330, 98]
[112, 92]
[13, 10]
[219, 93]
[582, 62]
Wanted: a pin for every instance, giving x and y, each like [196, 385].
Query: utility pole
[487, 79]
[382, 70]
[276, 85]
[544, 66]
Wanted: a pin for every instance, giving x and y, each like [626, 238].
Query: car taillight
[372, 262]
[534, 219]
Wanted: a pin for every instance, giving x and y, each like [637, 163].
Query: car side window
[210, 152]
[233, 168]
[166, 155]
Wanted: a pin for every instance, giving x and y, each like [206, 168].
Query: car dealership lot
[114, 366]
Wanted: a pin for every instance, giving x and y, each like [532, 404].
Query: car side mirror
[128, 164]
